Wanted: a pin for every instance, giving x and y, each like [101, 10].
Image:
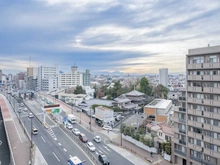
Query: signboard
[56, 110]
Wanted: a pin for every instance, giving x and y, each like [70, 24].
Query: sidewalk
[17, 140]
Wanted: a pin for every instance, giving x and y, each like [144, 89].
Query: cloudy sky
[133, 36]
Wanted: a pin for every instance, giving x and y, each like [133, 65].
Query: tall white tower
[163, 76]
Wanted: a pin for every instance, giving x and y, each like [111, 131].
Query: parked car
[83, 138]
[97, 139]
[19, 110]
[90, 146]
[76, 131]
[103, 159]
[30, 115]
[106, 127]
[69, 126]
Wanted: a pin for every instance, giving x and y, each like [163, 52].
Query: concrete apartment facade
[196, 128]
[163, 76]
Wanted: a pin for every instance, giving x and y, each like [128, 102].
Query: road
[102, 147]
[56, 148]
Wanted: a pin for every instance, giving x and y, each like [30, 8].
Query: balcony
[195, 158]
[211, 65]
[182, 98]
[194, 89]
[194, 147]
[182, 120]
[212, 127]
[211, 140]
[211, 78]
[182, 142]
[182, 131]
[194, 123]
[195, 112]
[195, 77]
[182, 109]
[211, 90]
[180, 152]
[211, 153]
[194, 135]
[212, 115]
[211, 102]
[194, 100]
[195, 66]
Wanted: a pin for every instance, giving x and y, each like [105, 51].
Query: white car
[30, 115]
[69, 126]
[90, 146]
[106, 127]
[97, 139]
[25, 109]
[76, 131]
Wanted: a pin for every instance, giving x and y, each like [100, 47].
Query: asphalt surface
[4, 148]
[101, 148]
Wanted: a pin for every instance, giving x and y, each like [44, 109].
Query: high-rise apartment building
[163, 76]
[0, 76]
[196, 129]
[74, 78]
[31, 83]
[47, 78]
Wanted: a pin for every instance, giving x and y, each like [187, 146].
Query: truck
[71, 118]
[74, 161]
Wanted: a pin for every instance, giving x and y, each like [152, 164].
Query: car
[90, 146]
[34, 131]
[97, 139]
[19, 110]
[25, 109]
[76, 131]
[83, 138]
[69, 126]
[21, 104]
[30, 115]
[106, 127]
[103, 159]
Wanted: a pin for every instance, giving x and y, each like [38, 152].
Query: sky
[131, 36]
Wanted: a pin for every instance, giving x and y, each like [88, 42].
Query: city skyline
[104, 36]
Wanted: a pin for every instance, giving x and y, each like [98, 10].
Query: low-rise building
[104, 116]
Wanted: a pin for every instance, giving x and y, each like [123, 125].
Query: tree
[168, 147]
[79, 90]
[161, 91]
[116, 90]
[145, 86]
[104, 89]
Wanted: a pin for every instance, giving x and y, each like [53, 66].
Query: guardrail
[85, 149]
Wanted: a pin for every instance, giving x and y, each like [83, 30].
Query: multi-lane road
[57, 146]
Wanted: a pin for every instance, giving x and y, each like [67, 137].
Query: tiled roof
[134, 93]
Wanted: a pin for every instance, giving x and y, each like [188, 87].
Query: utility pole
[90, 117]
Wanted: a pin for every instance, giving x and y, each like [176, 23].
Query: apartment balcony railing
[196, 158]
[182, 131]
[182, 120]
[180, 152]
[206, 162]
[182, 98]
[183, 109]
[182, 142]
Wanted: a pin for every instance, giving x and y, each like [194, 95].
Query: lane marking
[43, 139]
[56, 157]
[28, 118]
[59, 144]
[0, 142]
[104, 150]
[64, 150]
[17, 132]
[70, 156]
[107, 148]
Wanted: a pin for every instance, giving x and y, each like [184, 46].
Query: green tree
[168, 147]
[116, 90]
[145, 86]
[104, 89]
[79, 90]
[161, 91]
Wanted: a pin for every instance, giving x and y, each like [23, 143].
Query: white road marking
[56, 157]
[29, 119]
[70, 156]
[107, 148]
[59, 144]
[17, 132]
[64, 150]
[96, 153]
[103, 150]
[43, 139]
[0, 142]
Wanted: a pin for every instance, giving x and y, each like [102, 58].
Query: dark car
[83, 138]
[104, 160]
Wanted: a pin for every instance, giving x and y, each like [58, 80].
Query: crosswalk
[50, 131]
[102, 150]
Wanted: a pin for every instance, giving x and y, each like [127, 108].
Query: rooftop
[159, 103]
[134, 93]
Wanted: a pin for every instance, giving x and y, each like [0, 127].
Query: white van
[34, 131]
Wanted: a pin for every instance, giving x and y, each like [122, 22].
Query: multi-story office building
[32, 78]
[163, 76]
[0, 76]
[47, 78]
[196, 123]
[74, 78]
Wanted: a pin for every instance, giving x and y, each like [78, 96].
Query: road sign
[57, 110]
